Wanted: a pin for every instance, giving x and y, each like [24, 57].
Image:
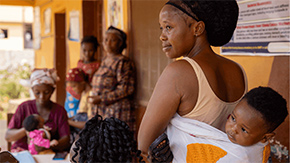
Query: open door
[60, 56]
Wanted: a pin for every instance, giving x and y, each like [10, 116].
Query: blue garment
[71, 105]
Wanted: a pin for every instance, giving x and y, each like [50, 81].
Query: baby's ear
[268, 137]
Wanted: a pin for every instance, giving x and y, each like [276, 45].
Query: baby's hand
[46, 127]
[53, 143]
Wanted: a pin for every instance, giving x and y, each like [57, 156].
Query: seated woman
[55, 117]
[38, 134]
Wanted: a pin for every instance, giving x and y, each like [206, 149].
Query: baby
[256, 116]
[38, 134]
[248, 130]
[77, 85]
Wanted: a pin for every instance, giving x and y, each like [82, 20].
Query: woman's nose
[162, 36]
[41, 95]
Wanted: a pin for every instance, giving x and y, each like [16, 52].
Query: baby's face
[77, 87]
[245, 126]
[40, 120]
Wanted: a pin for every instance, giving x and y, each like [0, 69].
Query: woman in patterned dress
[113, 83]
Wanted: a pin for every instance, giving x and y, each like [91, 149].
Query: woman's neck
[199, 48]
[111, 55]
[47, 106]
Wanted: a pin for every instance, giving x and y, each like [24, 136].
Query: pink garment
[57, 121]
[36, 138]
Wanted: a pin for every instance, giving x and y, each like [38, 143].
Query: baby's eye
[160, 28]
[244, 130]
[233, 118]
[168, 27]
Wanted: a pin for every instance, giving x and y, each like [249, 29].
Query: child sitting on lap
[38, 134]
[248, 130]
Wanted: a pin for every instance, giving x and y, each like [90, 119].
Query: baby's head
[256, 116]
[89, 46]
[76, 80]
[33, 122]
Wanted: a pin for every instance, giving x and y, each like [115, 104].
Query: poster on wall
[115, 13]
[36, 29]
[263, 29]
[47, 20]
[74, 27]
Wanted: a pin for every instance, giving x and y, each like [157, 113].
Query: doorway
[92, 21]
[60, 56]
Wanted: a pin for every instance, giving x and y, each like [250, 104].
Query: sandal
[159, 150]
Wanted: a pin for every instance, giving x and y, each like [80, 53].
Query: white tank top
[209, 108]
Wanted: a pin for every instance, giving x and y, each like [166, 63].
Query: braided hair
[108, 140]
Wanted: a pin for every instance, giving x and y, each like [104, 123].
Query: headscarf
[120, 34]
[76, 74]
[44, 76]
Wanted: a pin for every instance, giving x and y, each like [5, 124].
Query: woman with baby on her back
[202, 85]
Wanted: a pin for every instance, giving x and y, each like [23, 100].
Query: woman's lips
[166, 48]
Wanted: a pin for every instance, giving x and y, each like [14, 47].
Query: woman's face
[88, 52]
[176, 35]
[42, 93]
[112, 43]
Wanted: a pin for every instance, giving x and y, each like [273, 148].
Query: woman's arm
[77, 124]
[162, 106]
[63, 143]
[15, 134]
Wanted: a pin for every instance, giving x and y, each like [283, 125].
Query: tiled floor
[3, 128]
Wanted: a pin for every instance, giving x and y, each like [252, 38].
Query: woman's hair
[121, 34]
[30, 123]
[91, 39]
[270, 104]
[220, 17]
[108, 140]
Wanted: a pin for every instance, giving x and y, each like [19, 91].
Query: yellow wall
[44, 57]
[17, 2]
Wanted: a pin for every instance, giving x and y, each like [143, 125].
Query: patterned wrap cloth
[89, 68]
[194, 141]
[44, 76]
[115, 84]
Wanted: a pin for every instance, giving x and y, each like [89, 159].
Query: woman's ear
[268, 137]
[199, 28]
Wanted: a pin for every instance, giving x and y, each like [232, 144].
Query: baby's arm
[53, 143]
